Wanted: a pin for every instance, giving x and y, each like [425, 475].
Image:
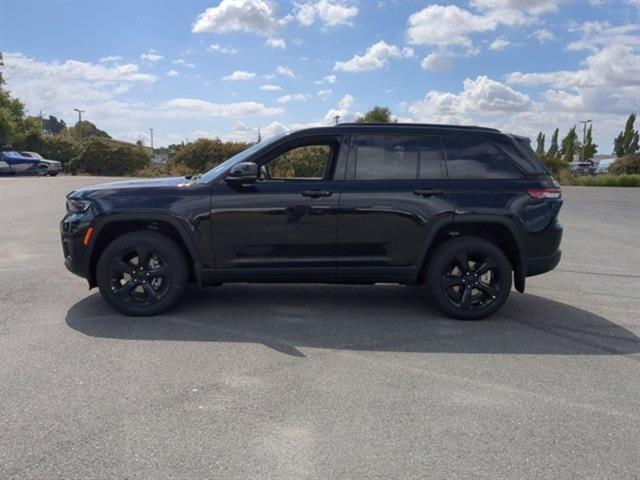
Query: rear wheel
[142, 273]
[469, 278]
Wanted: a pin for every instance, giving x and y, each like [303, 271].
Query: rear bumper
[539, 265]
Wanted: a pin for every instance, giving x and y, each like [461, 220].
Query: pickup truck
[12, 161]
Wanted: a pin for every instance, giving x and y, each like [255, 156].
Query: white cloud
[499, 43]
[110, 59]
[276, 43]
[482, 95]
[376, 56]
[298, 97]
[270, 88]
[543, 35]
[151, 56]
[438, 61]
[216, 48]
[344, 111]
[192, 107]
[239, 75]
[184, 63]
[327, 79]
[285, 71]
[256, 16]
[596, 35]
[242, 132]
[324, 93]
[172, 73]
[329, 12]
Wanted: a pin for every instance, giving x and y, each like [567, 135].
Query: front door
[284, 224]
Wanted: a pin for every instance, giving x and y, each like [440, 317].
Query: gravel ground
[312, 381]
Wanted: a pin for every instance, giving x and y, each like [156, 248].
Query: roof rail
[432, 125]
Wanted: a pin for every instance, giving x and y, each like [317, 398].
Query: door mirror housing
[243, 172]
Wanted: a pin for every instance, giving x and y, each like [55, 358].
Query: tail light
[540, 193]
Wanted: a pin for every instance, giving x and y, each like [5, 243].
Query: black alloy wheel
[142, 273]
[469, 278]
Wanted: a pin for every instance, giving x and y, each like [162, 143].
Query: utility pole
[80, 112]
[337, 117]
[151, 137]
[41, 123]
[584, 136]
[259, 135]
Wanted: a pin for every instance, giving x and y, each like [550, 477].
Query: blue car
[12, 161]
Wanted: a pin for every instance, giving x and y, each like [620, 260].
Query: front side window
[475, 157]
[308, 162]
[386, 157]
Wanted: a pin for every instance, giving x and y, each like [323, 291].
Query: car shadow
[288, 318]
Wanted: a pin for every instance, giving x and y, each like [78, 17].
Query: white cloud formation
[331, 79]
[274, 42]
[172, 73]
[344, 111]
[543, 35]
[110, 59]
[375, 57]
[480, 95]
[151, 56]
[239, 75]
[297, 97]
[270, 88]
[325, 93]
[285, 71]
[193, 108]
[256, 16]
[328, 12]
[216, 48]
[183, 62]
[499, 43]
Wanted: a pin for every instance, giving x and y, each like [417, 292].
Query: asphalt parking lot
[289, 381]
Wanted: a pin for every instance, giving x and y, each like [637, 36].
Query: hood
[168, 182]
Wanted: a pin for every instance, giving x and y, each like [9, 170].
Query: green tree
[62, 148]
[540, 145]
[376, 115]
[85, 129]
[626, 143]
[103, 156]
[11, 113]
[554, 151]
[203, 154]
[589, 148]
[570, 145]
[53, 125]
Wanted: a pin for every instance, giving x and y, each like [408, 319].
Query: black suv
[462, 210]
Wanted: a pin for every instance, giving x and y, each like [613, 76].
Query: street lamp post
[80, 112]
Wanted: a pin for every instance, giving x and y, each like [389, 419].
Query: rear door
[395, 189]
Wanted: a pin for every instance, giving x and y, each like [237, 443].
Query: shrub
[628, 164]
[608, 181]
[101, 156]
[204, 154]
[62, 148]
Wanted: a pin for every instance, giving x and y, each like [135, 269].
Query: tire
[53, 174]
[476, 291]
[142, 288]
[43, 171]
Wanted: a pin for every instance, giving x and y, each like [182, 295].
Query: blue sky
[191, 69]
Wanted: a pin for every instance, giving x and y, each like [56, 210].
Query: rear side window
[386, 157]
[476, 157]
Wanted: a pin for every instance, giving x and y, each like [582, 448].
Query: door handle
[316, 193]
[427, 192]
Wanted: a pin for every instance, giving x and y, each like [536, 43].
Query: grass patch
[606, 181]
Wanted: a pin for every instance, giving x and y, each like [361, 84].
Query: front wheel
[142, 273]
[469, 278]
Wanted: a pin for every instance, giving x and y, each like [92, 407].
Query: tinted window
[430, 158]
[475, 157]
[386, 157]
[307, 162]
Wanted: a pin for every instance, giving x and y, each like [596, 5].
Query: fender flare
[176, 222]
[448, 220]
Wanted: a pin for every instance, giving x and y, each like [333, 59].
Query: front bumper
[77, 256]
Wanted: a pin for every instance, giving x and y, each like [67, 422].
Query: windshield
[238, 157]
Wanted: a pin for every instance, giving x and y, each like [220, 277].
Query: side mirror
[243, 172]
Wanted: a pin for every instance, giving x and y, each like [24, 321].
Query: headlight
[75, 205]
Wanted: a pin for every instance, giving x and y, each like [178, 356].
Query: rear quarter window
[477, 157]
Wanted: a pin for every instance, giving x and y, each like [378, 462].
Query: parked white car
[47, 167]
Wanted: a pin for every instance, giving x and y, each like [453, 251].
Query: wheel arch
[498, 230]
[114, 226]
